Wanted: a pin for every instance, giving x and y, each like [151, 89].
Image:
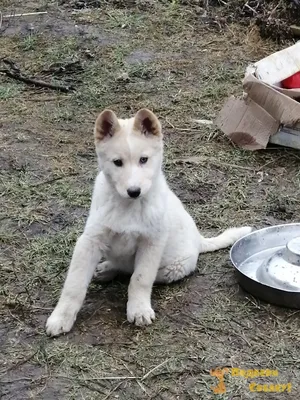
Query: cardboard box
[266, 112]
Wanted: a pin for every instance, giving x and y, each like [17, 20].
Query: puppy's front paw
[140, 313]
[60, 322]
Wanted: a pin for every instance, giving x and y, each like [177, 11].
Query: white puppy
[136, 223]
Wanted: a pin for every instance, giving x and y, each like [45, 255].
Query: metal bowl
[267, 264]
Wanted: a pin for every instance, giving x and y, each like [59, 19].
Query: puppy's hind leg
[105, 271]
[178, 269]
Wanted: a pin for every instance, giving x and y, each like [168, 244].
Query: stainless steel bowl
[267, 263]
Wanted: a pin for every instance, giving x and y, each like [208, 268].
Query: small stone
[31, 28]
[88, 53]
[124, 77]
[199, 10]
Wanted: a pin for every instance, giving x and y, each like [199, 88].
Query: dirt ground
[165, 56]
[273, 18]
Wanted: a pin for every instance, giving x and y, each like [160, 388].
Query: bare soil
[147, 54]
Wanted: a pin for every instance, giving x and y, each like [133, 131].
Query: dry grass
[182, 70]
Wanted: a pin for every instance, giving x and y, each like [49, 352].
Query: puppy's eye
[143, 160]
[118, 163]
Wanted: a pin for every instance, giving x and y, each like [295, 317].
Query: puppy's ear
[106, 125]
[147, 123]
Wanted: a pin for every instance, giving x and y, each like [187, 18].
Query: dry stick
[41, 99]
[154, 369]
[25, 14]
[18, 364]
[111, 343]
[92, 388]
[120, 378]
[129, 370]
[142, 387]
[199, 160]
[250, 8]
[112, 391]
[274, 9]
[11, 64]
[17, 380]
[102, 378]
[36, 82]
[58, 178]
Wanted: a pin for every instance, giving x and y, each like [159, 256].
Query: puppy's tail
[227, 238]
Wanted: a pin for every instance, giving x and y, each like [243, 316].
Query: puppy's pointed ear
[106, 125]
[147, 123]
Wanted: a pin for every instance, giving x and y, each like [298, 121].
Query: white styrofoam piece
[278, 66]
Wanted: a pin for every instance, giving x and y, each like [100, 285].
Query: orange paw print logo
[219, 374]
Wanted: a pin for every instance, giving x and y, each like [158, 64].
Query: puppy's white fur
[151, 237]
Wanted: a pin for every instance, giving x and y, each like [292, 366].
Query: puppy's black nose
[134, 192]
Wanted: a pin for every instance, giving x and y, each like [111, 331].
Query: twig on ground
[73, 67]
[203, 121]
[18, 364]
[142, 387]
[36, 82]
[110, 343]
[178, 128]
[41, 99]
[11, 64]
[10, 381]
[274, 9]
[154, 369]
[102, 378]
[25, 14]
[119, 378]
[90, 387]
[112, 391]
[129, 370]
[54, 179]
[199, 160]
[250, 8]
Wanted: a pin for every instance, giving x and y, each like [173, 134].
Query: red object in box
[292, 82]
